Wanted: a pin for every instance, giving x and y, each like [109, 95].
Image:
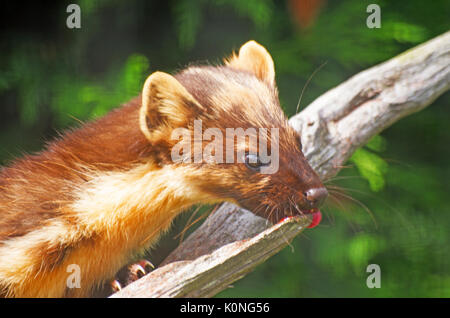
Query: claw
[137, 271]
[115, 285]
[146, 265]
[131, 273]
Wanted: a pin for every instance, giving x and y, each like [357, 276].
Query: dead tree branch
[232, 241]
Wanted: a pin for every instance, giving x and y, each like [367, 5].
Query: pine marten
[103, 193]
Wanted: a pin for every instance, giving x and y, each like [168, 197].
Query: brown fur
[103, 192]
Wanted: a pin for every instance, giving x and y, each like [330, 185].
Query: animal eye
[253, 162]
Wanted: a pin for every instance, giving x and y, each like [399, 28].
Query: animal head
[225, 126]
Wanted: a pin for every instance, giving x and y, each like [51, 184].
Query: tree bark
[233, 241]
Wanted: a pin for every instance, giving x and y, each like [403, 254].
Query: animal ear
[253, 57]
[166, 105]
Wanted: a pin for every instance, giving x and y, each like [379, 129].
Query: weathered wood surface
[232, 241]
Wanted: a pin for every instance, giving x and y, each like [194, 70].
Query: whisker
[330, 216]
[307, 83]
[336, 187]
[191, 223]
[343, 209]
[359, 203]
[186, 227]
[335, 199]
[278, 210]
[342, 178]
[390, 207]
[271, 213]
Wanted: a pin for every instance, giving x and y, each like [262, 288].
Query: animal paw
[131, 273]
[137, 270]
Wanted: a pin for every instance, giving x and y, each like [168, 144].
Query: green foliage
[362, 249]
[258, 11]
[370, 165]
[188, 15]
[84, 99]
[392, 207]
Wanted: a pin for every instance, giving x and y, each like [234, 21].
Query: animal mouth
[316, 217]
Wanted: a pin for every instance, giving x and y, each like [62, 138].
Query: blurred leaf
[84, 99]
[377, 143]
[187, 14]
[405, 32]
[371, 167]
[133, 76]
[259, 11]
[361, 249]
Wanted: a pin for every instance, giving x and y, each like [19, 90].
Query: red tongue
[317, 217]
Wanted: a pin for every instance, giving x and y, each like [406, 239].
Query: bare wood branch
[347, 116]
[210, 273]
[227, 245]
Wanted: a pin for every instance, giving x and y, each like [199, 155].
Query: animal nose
[315, 197]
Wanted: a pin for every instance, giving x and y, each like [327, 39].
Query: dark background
[52, 76]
